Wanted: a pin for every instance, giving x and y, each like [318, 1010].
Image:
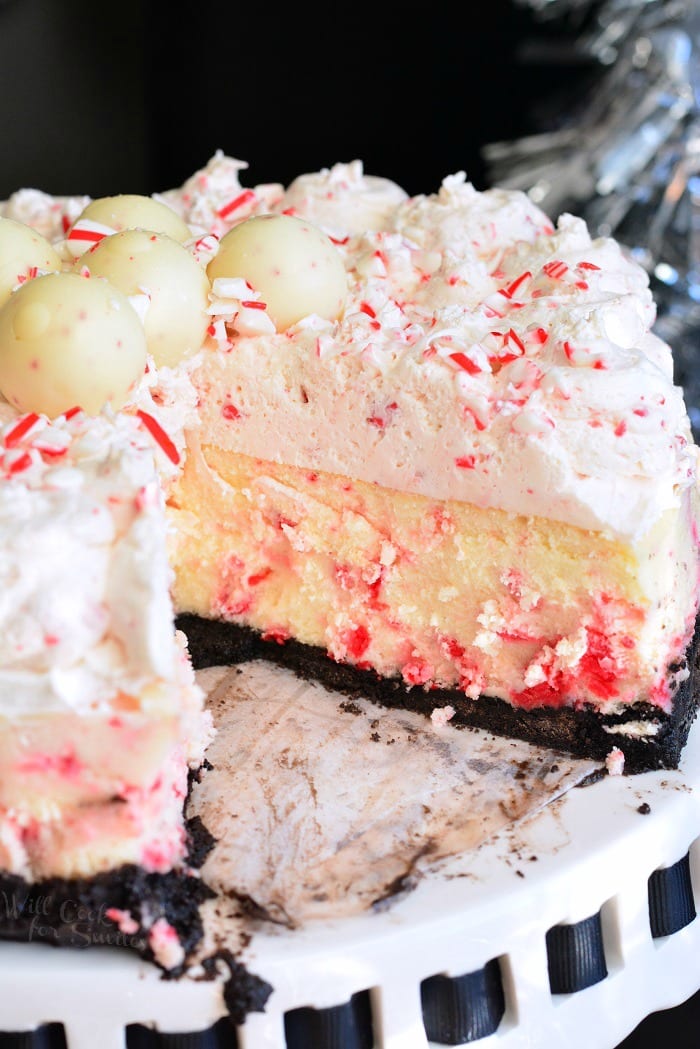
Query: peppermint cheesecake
[427, 449]
[473, 486]
[101, 721]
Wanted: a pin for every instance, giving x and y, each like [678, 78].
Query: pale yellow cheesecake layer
[84, 793]
[437, 592]
[51, 761]
[43, 838]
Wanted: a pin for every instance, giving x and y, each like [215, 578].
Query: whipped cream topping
[342, 199]
[485, 354]
[50, 216]
[169, 397]
[85, 611]
[213, 199]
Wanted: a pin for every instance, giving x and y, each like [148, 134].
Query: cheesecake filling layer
[44, 836]
[438, 593]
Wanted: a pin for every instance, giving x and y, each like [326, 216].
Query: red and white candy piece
[203, 248]
[23, 253]
[139, 262]
[67, 341]
[84, 234]
[293, 266]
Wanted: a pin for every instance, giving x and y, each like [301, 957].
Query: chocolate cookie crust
[583, 733]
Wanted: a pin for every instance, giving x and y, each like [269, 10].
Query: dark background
[137, 99]
[103, 99]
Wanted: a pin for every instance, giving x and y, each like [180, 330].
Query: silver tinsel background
[626, 154]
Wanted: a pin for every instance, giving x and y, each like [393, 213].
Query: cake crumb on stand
[442, 715]
[615, 762]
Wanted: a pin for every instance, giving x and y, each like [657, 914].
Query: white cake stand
[595, 852]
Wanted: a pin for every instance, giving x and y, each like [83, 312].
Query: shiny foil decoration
[628, 158]
[571, 11]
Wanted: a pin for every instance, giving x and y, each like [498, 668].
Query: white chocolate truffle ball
[132, 211]
[22, 250]
[292, 265]
[68, 341]
[143, 263]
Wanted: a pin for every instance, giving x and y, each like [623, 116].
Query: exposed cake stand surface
[566, 928]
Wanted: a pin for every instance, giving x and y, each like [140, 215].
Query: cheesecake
[101, 721]
[474, 487]
[424, 448]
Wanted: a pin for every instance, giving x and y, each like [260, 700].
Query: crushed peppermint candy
[159, 435]
[85, 234]
[615, 762]
[441, 716]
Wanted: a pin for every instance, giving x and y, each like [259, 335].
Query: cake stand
[567, 929]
